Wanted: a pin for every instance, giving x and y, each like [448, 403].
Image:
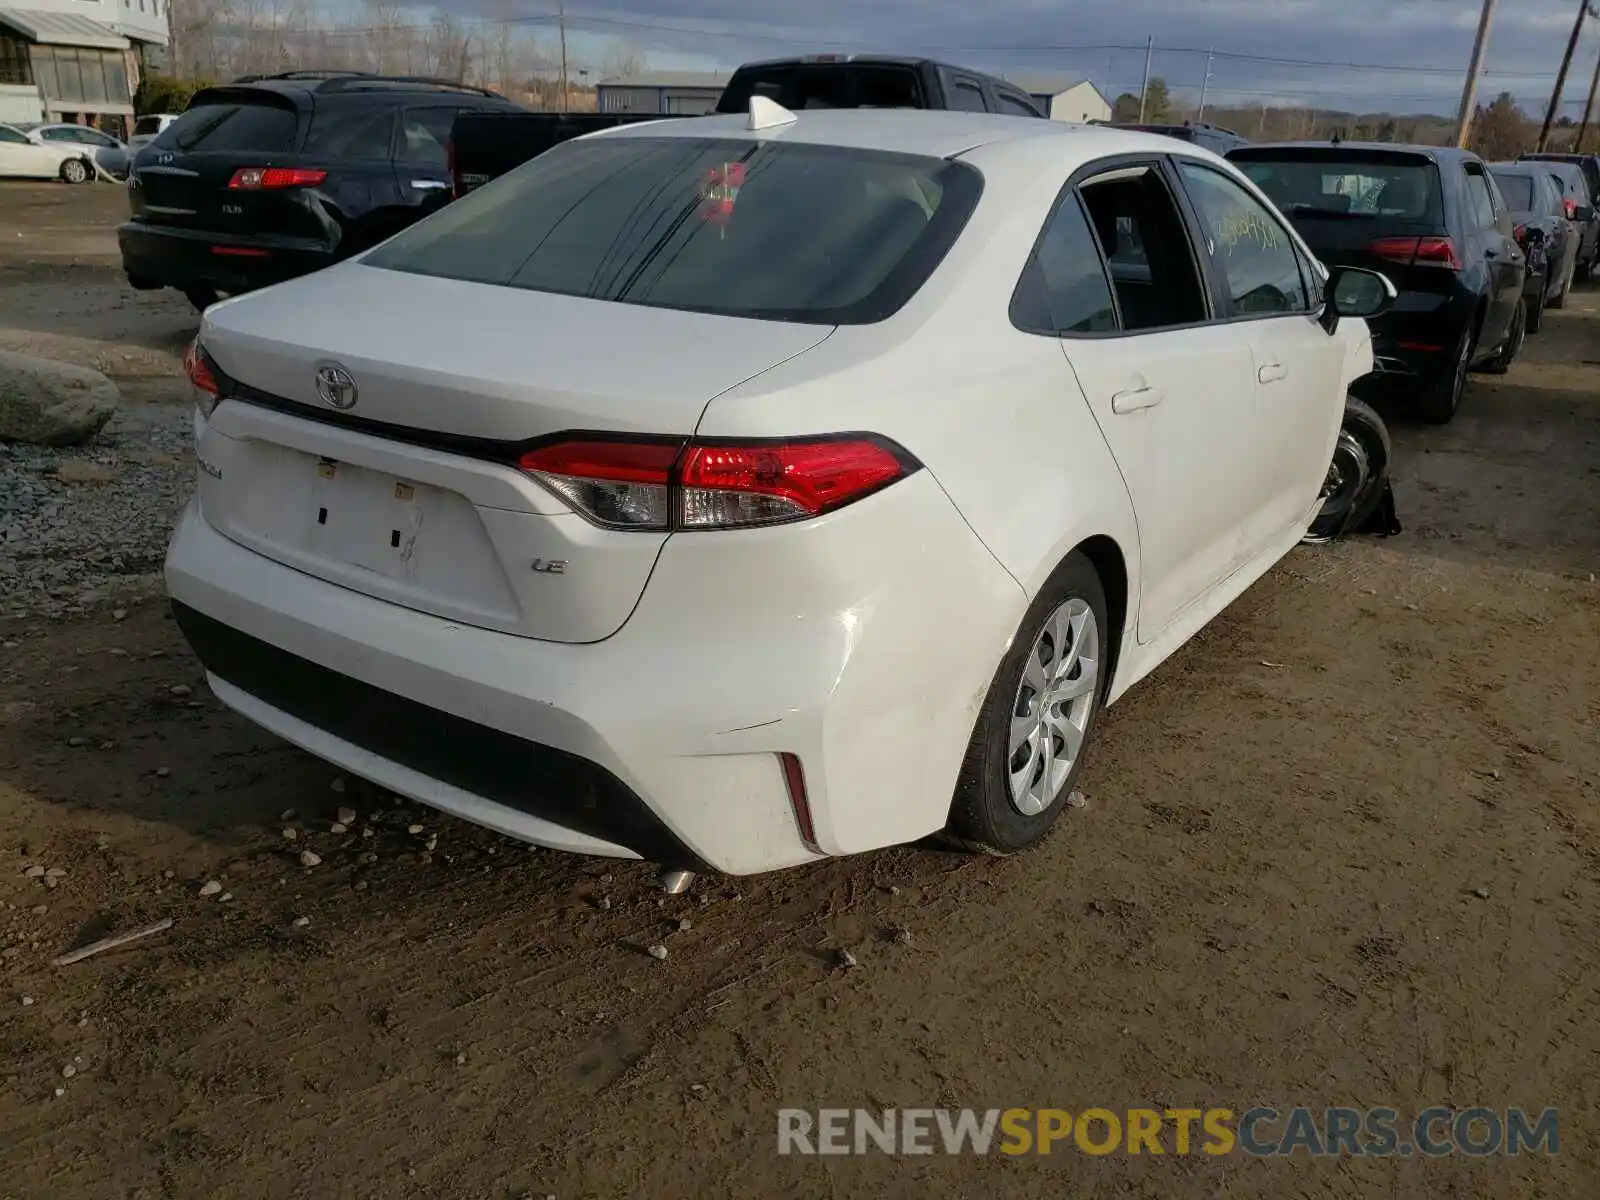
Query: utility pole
[561, 19]
[1588, 110]
[1144, 88]
[1469, 93]
[1205, 87]
[1585, 9]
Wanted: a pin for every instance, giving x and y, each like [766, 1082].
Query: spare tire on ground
[49, 403]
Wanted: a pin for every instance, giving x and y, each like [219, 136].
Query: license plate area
[367, 518]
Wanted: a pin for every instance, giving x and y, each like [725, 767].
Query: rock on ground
[49, 403]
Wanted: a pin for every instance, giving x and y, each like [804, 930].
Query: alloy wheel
[1054, 700]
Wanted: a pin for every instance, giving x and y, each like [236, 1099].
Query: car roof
[932, 133]
[1517, 168]
[1435, 153]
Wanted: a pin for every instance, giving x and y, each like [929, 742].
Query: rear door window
[1517, 189]
[226, 125]
[351, 131]
[765, 229]
[1147, 247]
[1479, 199]
[1012, 106]
[966, 96]
[425, 135]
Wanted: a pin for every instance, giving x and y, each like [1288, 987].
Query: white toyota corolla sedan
[735, 491]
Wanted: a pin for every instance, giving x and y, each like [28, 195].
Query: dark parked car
[1547, 238]
[1581, 212]
[1212, 137]
[873, 81]
[264, 179]
[1589, 165]
[1434, 222]
[484, 145]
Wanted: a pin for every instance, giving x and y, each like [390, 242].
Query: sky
[1401, 55]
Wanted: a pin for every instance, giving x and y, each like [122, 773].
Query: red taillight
[1571, 208]
[666, 483]
[1417, 251]
[198, 368]
[252, 179]
[794, 779]
[1521, 234]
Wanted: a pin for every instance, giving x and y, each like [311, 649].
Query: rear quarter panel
[994, 414]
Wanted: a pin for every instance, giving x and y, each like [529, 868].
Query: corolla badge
[337, 386]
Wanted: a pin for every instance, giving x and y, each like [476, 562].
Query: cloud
[1406, 54]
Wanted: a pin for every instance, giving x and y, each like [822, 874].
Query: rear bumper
[157, 256]
[663, 741]
[1414, 340]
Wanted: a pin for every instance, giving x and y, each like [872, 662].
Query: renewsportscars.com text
[1263, 1132]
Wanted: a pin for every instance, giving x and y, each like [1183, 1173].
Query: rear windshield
[1319, 184]
[817, 85]
[772, 230]
[232, 125]
[1517, 189]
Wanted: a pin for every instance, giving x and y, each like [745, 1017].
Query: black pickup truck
[486, 144]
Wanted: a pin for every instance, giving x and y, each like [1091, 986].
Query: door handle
[1133, 399]
[429, 185]
[1272, 372]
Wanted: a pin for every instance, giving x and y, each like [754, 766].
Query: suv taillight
[1571, 209]
[1417, 251]
[672, 483]
[254, 179]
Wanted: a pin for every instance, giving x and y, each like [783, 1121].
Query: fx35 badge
[550, 566]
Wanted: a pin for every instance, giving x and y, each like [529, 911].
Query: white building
[1064, 97]
[664, 93]
[83, 58]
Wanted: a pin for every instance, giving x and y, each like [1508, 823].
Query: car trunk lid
[412, 493]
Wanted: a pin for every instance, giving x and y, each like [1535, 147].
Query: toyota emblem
[337, 386]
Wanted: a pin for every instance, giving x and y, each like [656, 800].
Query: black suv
[267, 178]
[1210, 137]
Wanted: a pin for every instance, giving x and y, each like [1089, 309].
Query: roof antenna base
[768, 114]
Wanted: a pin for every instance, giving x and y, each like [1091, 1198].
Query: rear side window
[147, 125]
[774, 230]
[1480, 202]
[1517, 189]
[966, 97]
[228, 125]
[1316, 184]
[351, 131]
[1064, 287]
[425, 135]
[1013, 107]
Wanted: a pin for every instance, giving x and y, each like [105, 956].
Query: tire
[1584, 272]
[1516, 335]
[984, 815]
[76, 170]
[200, 296]
[1441, 398]
[1536, 313]
[1354, 487]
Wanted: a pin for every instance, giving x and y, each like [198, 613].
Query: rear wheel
[1354, 485]
[1441, 398]
[75, 170]
[1536, 311]
[1027, 748]
[1516, 334]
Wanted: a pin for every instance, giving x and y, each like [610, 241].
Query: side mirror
[1355, 292]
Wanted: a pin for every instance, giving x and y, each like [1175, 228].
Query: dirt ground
[1344, 849]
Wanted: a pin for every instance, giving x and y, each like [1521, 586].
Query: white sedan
[109, 153]
[21, 156]
[732, 492]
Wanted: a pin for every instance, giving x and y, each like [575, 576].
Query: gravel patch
[89, 524]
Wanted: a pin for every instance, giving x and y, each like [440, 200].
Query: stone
[657, 952]
[49, 403]
[346, 816]
[310, 858]
[210, 888]
[78, 471]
